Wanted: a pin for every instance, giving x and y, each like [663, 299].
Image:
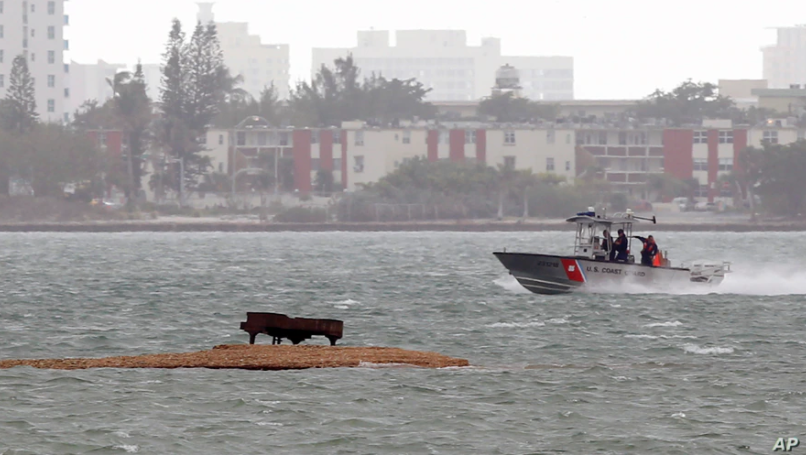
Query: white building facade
[260, 65]
[35, 29]
[372, 153]
[785, 61]
[454, 71]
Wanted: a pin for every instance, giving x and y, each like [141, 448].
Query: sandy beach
[256, 357]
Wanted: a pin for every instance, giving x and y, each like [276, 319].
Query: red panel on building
[457, 145]
[110, 141]
[302, 160]
[432, 140]
[343, 140]
[678, 149]
[713, 164]
[481, 146]
[326, 150]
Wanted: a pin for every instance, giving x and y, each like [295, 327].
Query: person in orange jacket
[649, 252]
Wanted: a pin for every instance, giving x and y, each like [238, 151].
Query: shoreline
[195, 225]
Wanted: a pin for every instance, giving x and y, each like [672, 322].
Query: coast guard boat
[590, 268]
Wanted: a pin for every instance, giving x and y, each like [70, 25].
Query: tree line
[419, 189]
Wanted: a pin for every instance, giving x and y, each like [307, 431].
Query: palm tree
[131, 105]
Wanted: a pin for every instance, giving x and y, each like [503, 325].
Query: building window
[702, 191]
[470, 136]
[202, 139]
[639, 139]
[337, 136]
[240, 138]
[51, 8]
[358, 167]
[407, 137]
[700, 137]
[770, 137]
[51, 106]
[66, 19]
[51, 57]
[726, 164]
[51, 32]
[603, 138]
[284, 138]
[51, 80]
[337, 164]
[2, 80]
[1, 7]
[67, 45]
[509, 137]
[33, 7]
[33, 57]
[359, 140]
[568, 138]
[549, 136]
[66, 68]
[443, 137]
[567, 165]
[1, 55]
[66, 117]
[220, 139]
[1, 30]
[700, 164]
[315, 164]
[509, 162]
[33, 33]
[549, 164]
[67, 92]
[726, 137]
[622, 138]
[314, 136]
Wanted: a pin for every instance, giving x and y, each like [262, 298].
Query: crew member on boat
[649, 251]
[619, 252]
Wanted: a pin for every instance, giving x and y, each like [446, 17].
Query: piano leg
[332, 340]
[252, 336]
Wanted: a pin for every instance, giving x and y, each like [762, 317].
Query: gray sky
[621, 48]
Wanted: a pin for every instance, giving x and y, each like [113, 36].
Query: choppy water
[585, 373]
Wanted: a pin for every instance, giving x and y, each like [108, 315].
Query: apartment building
[259, 64]
[357, 154]
[453, 70]
[627, 156]
[35, 30]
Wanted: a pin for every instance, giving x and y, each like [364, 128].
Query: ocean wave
[665, 324]
[519, 325]
[694, 349]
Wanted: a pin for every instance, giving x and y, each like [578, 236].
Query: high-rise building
[785, 61]
[35, 30]
[260, 65]
[442, 61]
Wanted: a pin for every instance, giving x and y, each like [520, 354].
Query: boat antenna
[653, 220]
